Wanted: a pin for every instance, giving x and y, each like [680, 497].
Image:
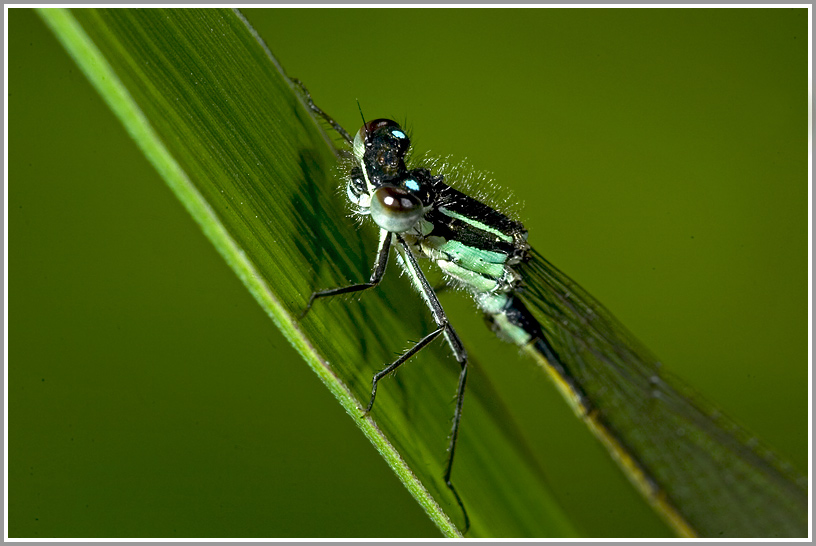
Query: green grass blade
[212, 111]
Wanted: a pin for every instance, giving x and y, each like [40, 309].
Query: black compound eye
[385, 132]
[371, 127]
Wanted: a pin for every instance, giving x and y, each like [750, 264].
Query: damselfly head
[380, 184]
[380, 146]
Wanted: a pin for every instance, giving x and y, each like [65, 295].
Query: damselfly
[701, 472]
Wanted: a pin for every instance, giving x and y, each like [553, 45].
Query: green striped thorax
[470, 241]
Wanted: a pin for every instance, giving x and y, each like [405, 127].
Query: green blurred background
[661, 156]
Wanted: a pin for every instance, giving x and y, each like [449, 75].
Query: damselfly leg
[376, 275]
[443, 327]
[456, 346]
[317, 110]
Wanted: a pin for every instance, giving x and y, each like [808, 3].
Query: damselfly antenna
[360, 108]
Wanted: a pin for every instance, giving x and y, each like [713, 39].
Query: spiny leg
[376, 275]
[398, 362]
[419, 280]
[314, 108]
[457, 417]
[444, 327]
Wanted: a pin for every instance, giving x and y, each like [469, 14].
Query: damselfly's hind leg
[457, 417]
[460, 397]
[458, 349]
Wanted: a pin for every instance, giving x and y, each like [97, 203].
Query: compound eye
[371, 126]
[381, 127]
[394, 209]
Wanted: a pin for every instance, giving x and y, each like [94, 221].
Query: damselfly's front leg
[443, 327]
[376, 274]
[317, 110]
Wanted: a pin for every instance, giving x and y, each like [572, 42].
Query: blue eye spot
[397, 133]
[412, 185]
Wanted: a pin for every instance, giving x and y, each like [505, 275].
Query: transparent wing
[705, 474]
